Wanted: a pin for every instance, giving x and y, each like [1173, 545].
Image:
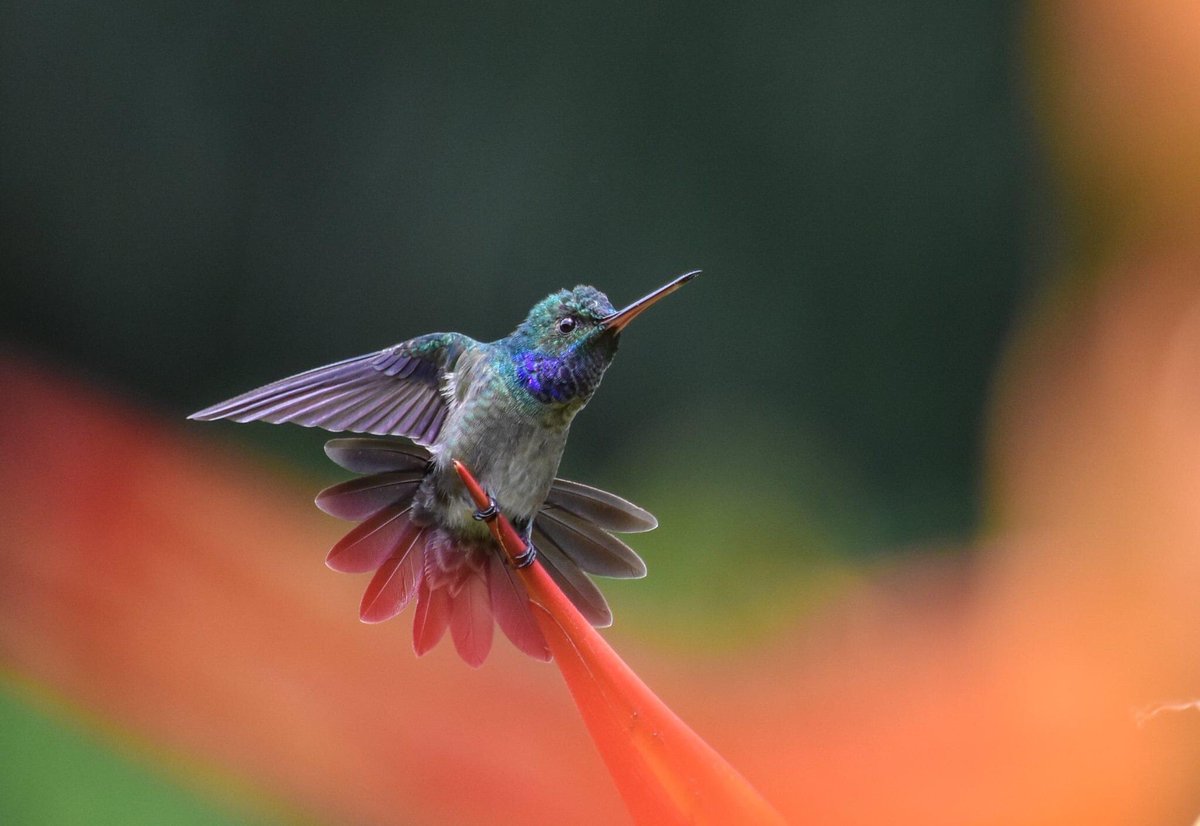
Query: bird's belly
[520, 479]
[515, 460]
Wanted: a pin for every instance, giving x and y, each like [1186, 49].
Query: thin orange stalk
[664, 771]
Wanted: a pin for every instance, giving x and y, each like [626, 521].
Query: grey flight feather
[392, 392]
[605, 509]
[368, 455]
[573, 582]
[589, 546]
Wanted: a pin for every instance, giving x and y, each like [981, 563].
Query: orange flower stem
[664, 771]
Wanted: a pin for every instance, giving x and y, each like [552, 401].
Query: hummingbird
[503, 408]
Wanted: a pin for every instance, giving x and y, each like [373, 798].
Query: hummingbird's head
[562, 348]
[564, 321]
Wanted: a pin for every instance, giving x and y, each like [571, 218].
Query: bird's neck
[565, 380]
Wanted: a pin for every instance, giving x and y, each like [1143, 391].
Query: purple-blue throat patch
[547, 378]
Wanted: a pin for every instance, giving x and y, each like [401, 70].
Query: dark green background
[201, 197]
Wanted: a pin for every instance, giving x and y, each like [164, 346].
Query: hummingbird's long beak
[617, 322]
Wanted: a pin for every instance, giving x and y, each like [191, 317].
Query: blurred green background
[198, 198]
[201, 197]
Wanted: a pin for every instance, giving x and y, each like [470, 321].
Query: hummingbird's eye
[566, 325]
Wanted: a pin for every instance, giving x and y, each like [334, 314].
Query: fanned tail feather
[359, 498]
[605, 510]
[432, 618]
[593, 549]
[370, 544]
[471, 619]
[573, 582]
[362, 454]
[510, 605]
[396, 581]
[460, 586]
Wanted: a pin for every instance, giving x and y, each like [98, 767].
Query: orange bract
[665, 772]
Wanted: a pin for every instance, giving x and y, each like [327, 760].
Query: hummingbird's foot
[489, 513]
[526, 557]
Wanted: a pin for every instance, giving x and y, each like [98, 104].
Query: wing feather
[392, 392]
[574, 582]
[604, 509]
[592, 548]
[363, 454]
[361, 498]
[510, 605]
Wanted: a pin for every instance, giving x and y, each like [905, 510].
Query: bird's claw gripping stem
[526, 557]
[521, 560]
[489, 513]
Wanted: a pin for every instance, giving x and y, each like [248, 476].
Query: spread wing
[392, 392]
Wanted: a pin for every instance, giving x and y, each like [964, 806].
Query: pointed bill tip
[617, 322]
